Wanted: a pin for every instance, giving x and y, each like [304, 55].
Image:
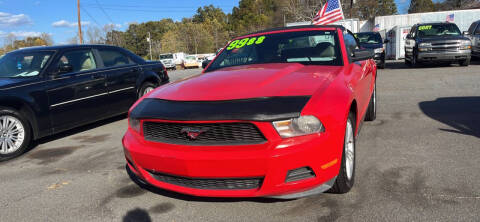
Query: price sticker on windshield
[239, 43]
[424, 27]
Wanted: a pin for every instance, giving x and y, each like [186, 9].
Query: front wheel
[146, 88]
[465, 62]
[346, 176]
[15, 134]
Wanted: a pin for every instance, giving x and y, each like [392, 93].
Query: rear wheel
[346, 176]
[371, 114]
[15, 134]
[146, 88]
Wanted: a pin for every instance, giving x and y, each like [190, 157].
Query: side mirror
[386, 41]
[409, 36]
[363, 54]
[64, 68]
[466, 33]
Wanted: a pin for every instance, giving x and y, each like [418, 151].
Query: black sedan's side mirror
[409, 36]
[363, 54]
[64, 68]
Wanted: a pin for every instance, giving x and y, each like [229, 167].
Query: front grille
[209, 184]
[203, 133]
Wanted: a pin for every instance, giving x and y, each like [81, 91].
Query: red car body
[333, 92]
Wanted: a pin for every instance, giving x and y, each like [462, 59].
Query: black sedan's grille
[210, 184]
[203, 134]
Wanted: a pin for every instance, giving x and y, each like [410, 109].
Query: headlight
[465, 45]
[300, 126]
[379, 50]
[134, 124]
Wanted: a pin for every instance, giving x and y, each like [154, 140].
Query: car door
[77, 94]
[122, 74]
[362, 73]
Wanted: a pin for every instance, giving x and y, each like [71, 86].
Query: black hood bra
[254, 109]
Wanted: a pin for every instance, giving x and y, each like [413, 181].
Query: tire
[9, 147]
[414, 61]
[465, 62]
[346, 177]
[371, 114]
[146, 88]
[382, 66]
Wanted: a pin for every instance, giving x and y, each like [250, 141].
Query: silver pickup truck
[474, 34]
[437, 42]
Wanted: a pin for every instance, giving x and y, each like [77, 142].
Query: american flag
[376, 28]
[451, 18]
[330, 13]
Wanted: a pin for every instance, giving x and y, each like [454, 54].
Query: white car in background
[191, 61]
[168, 61]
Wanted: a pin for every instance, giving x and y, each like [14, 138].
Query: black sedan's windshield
[23, 64]
[369, 38]
[438, 30]
[306, 47]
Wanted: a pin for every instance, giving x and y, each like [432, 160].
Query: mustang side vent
[299, 174]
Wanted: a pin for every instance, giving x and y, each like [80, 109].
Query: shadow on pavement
[137, 215]
[400, 64]
[185, 197]
[461, 113]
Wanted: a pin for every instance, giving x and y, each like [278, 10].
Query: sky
[59, 17]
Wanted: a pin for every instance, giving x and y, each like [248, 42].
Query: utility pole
[80, 36]
[149, 39]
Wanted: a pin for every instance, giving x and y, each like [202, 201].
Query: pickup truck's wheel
[346, 176]
[414, 61]
[465, 62]
[146, 88]
[371, 114]
[15, 134]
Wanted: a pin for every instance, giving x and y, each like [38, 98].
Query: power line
[90, 16]
[104, 12]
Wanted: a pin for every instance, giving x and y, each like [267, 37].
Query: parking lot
[419, 161]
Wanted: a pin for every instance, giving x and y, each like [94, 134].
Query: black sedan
[46, 90]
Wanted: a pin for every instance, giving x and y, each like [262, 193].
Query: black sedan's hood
[371, 46]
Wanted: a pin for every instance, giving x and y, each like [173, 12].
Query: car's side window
[477, 31]
[112, 58]
[472, 28]
[78, 60]
[350, 43]
[414, 32]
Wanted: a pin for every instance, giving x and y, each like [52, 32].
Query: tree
[417, 6]
[368, 9]
[456, 4]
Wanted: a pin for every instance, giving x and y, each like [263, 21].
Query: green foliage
[417, 6]
[11, 43]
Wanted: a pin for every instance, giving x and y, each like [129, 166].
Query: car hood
[371, 46]
[250, 81]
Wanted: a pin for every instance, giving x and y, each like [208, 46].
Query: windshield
[438, 30]
[369, 38]
[306, 47]
[167, 56]
[23, 64]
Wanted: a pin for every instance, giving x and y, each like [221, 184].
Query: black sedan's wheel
[346, 176]
[15, 134]
[371, 114]
[465, 62]
[146, 88]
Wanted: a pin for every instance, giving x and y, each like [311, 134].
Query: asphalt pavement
[419, 161]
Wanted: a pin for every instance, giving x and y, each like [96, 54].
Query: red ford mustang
[275, 114]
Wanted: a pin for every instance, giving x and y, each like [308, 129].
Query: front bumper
[169, 65]
[270, 161]
[379, 58]
[444, 56]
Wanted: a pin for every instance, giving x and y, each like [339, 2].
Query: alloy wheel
[12, 134]
[349, 151]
